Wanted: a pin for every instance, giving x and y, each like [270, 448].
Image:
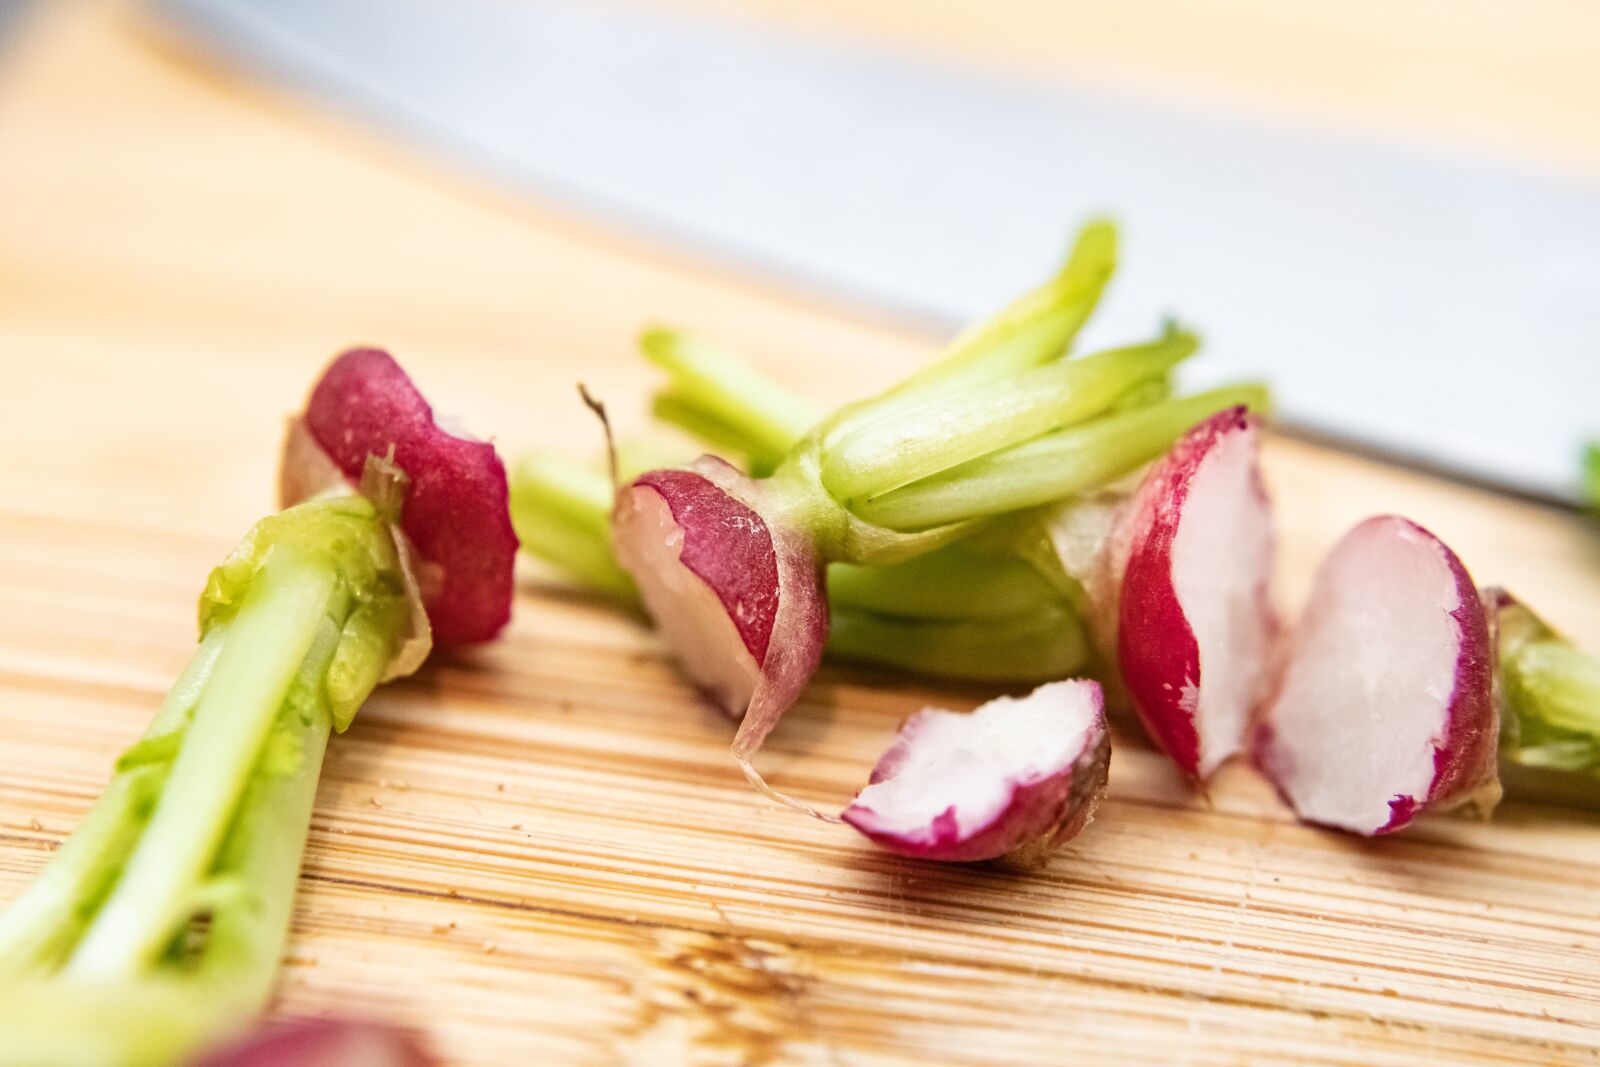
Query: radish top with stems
[731, 568]
[966, 611]
[1386, 708]
[456, 512]
[1016, 778]
[102, 959]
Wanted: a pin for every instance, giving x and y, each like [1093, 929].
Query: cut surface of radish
[708, 572]
[457, 510]
[1196, 627]
[1386, 705]
[1017, 772]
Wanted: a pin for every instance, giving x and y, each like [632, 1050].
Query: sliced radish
[1015, 778]
[1177, 578]
[736, 594]
[457, 509]
[1386, 707]
[321, 1043]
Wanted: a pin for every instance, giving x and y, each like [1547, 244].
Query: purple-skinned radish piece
[456, 513]
[1386, 708]
[735, 593]
[1016, 778]
[1196, 626]
[321, 1042]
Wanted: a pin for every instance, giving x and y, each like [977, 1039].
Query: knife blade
[1435, 308]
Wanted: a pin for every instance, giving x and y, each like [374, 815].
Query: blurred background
[1392, 211]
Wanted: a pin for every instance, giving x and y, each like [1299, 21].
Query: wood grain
[540, 851]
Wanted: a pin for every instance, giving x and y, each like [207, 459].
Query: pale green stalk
[42, 926]
[722, 399]
[208, 815]
[1052, 467]
[269, 638]
[915, 439]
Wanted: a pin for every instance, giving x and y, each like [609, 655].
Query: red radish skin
[1386, 709]
[321, 1043]
[457, 510]
[1014, 779]
[736, 595]
[1195, 622]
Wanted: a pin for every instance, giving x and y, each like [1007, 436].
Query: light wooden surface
[540, 852]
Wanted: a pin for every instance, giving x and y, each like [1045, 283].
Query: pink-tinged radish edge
[1196, 629]
[1431, 721]
[456, 514]
[1014, 779]
[320, 1042]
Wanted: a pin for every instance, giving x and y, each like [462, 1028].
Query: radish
[1015, 778]
[731, 567]
[738, 599]
[1196, 626]
[456, 511]
[1386, 708]
[325, 1042]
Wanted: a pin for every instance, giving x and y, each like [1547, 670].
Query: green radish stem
[720, 398]
[43, 925]
[562, 514]
[270, 637]
[1054, 466]
[1550, 710]
[1034, 646]
[915, 439]
[1035, 329]
[102, 963]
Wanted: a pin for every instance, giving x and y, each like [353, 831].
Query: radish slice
[321, 1043]
[457, 509]
[736, 593]
[1015, 778]
[1196, 628]
[1386, 708]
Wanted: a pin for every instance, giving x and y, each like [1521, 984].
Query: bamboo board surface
[540, 851]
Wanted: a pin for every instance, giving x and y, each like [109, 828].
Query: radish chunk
[321, 1043]
[738, 598]
[1386, 708]
[1016, 777]
[1196, 626]
[707, 570]
[457, 509]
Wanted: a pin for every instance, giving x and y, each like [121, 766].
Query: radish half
[457, 511]
[1195, 623]
[736, 594]
[1386, 707]
[1016, 778]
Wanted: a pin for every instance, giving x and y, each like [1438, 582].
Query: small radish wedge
[1195, 623]
[1015, 778]
[457, 510]
[1386, 708]
[322, 1042]
[736, 595]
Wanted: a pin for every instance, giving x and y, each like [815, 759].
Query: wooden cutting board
[540, 852]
